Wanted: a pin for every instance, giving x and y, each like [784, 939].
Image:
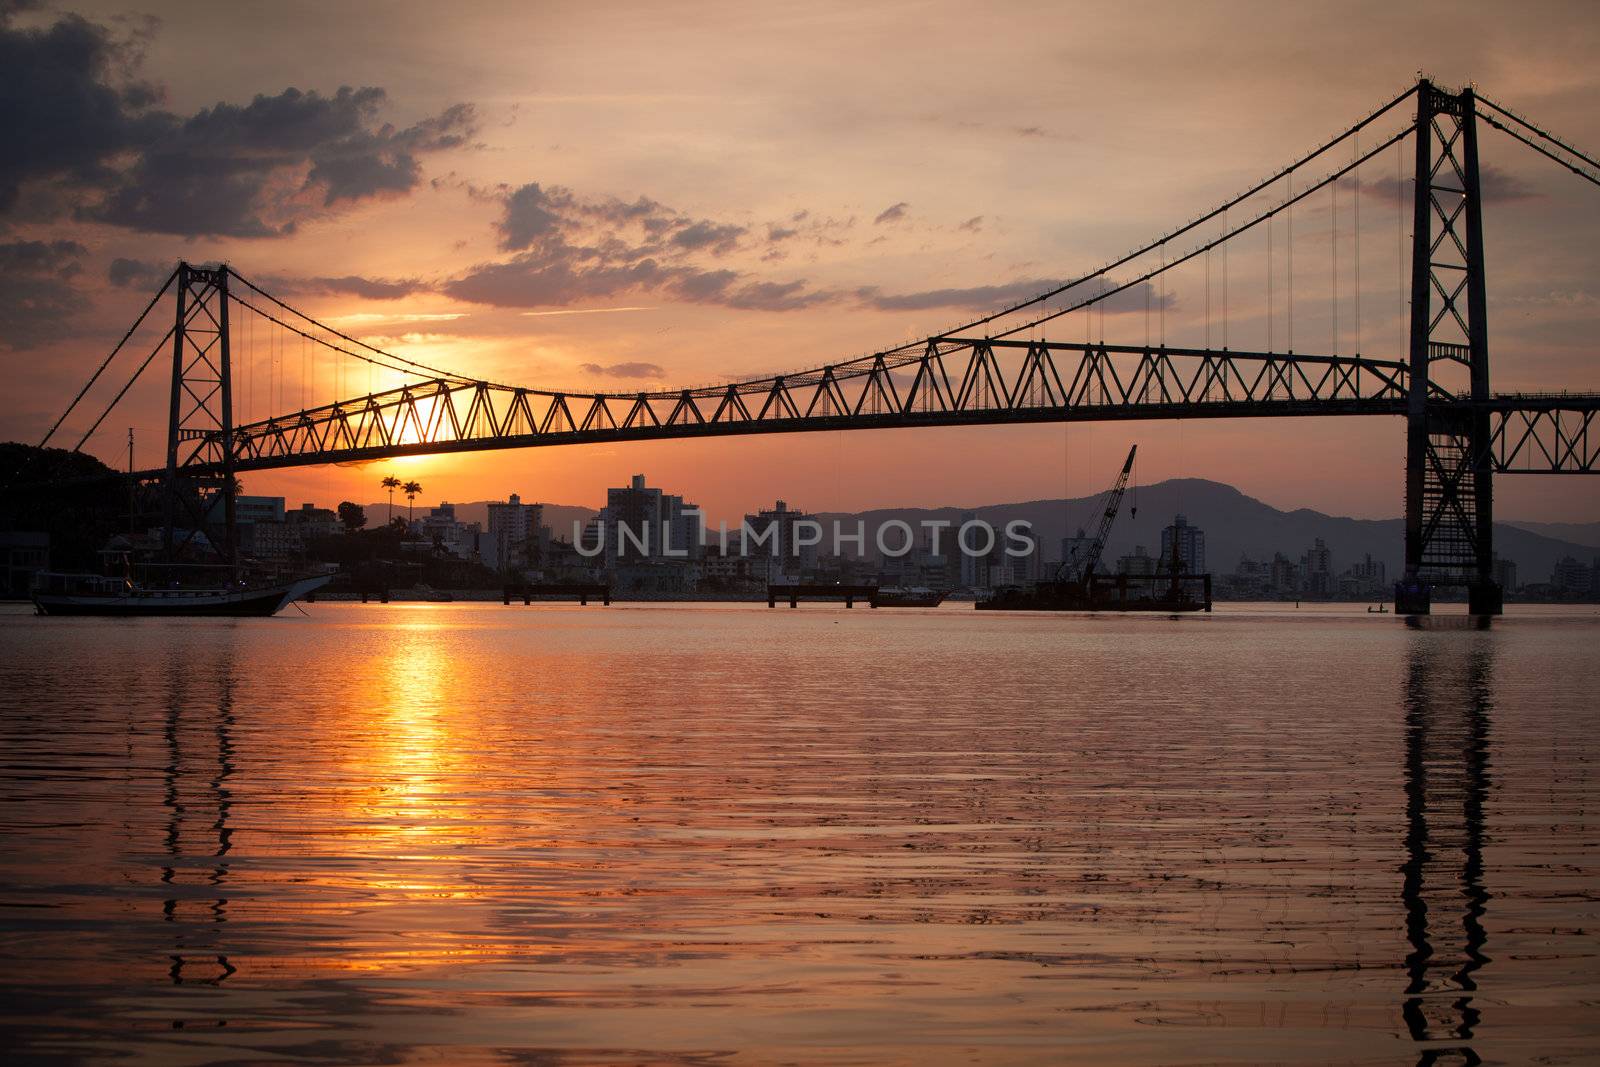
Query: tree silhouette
[353, 515]
[391, 483]
[410, 489]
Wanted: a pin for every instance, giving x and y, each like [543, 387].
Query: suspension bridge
[248, 369]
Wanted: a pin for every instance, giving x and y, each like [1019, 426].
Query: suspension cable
[432, 371]
[1543, 151]
[1199, 249]
[354, 355]
[1541, 133]
[96, 376]
[124, 390]
[1166, 238]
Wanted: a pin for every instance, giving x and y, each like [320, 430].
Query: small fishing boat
[94, 594]
[918, 597]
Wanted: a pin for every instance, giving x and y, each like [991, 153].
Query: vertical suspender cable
[1358, 246]
[1289, 312]
[1333, 234]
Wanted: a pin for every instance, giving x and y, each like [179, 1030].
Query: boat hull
[245, 603]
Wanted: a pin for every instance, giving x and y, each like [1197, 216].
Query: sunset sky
[635, 195]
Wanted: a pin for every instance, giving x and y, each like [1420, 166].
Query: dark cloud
[972, 225]
[708, 235]
[261, 169]
[571, 250]
[624, 370]
[775, 296]
[532, 214]
[77, 115]
[70, 108]
[892, 213]
[994, 297]
[1499, 185]
[137, 274]
[37, 302]
[780, 233]
[365, 288]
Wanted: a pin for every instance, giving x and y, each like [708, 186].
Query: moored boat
[895, 597]
[93, 594]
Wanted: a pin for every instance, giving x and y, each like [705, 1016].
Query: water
[476, 834]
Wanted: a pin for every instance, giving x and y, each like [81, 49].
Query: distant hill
[1235, 525]
[1579, 533]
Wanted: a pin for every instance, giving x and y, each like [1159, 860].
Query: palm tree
[410, 489]
[391, 483]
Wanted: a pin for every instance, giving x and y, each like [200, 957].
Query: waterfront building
[314, 522]
[1505, 574]
[1571, 578]
[1285, 576]
[516, 536]
[249, 509]
[774, 543]
[1191, 546]
[1138, 563]
[1075, 552]
[1316, 570]
[272, 542]
[652, 540]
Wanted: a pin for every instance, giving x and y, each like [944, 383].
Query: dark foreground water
[473, 834]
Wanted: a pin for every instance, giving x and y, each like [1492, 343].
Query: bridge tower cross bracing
[1449, 537]
[200, 441]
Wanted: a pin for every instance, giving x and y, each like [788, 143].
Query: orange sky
[816, 175]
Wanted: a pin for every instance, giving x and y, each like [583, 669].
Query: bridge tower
[200, 446]
[1449, 490]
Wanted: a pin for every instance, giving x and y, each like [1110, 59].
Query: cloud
[1499, 185]
[625, 370]
[365, 288]
[37, 302]
[78, 116]
[892, 213]
[708, 235]
[262, 169]
[137, 274]
[995, 297]
[71, 108]
[531, 214]
[972, 225]
[570, 250]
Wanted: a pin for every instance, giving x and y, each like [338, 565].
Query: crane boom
[1107, 518]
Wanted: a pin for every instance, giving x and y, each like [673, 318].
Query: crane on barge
[1108, 517]
[1075, 587]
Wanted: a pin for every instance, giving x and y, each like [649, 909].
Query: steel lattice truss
[953, 381]
[1546, 434]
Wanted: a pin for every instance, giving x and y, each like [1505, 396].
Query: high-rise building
[1316, 567]
[1505, 574]
[641, 523]
[1191, 547]
[516, 535]
[774, 544]
[1075, 554]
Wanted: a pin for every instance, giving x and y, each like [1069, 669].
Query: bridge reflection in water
[1447, 718]
[198, 735]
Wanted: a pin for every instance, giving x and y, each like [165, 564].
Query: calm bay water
[476, 834]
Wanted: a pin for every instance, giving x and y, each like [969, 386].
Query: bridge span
[998, 369]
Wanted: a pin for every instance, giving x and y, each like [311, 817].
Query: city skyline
[459, 200]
